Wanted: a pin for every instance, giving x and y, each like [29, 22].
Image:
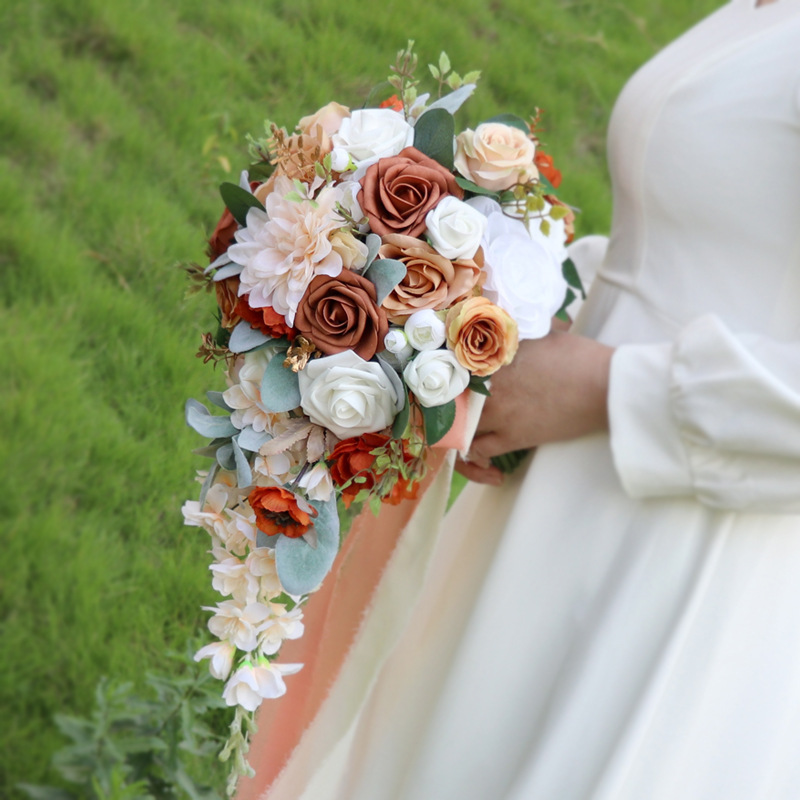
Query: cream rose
[495, 156]
[436, 377]
[370, 134]
[425, 330]
[348, 395]
[455, 229]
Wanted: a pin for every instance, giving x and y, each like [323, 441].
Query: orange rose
[398, 191]
[266, 319]
[431, 281]
[342, 313]
[280, 511]
[482, 336]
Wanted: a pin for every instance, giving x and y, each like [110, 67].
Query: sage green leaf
[244, 338]
[252, 440]
[280, 386]
[438, 420]
[434, 135]
[208, 483]
[239, 201]
[401, 420]
[469, 186]
[244, 475]
[379, 93]
[512, 120]
[373, 245]
[508, 462]
[385, 273]
[226, 457]
[453, 101]
[228, 271]
[301, 567]
[218, 400]
[199, 418]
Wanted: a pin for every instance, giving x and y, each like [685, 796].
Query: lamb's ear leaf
[302, 567]
[280, 386]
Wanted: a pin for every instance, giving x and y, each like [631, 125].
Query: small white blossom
[250, 684]
[221, 658]
[239, 624]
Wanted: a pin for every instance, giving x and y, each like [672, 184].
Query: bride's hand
[555, 389]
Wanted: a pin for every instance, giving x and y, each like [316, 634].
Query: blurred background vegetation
[118, 120]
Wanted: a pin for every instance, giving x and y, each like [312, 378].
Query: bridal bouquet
[370, 267]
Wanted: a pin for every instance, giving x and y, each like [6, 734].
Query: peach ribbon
[333, 618]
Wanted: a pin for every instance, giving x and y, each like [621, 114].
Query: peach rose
[398, 191]
[341, 313]
[431, 281]
[327, 119]
[496, 156]
[482, 336]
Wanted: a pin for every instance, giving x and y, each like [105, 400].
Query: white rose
[524, 276]
[250, 685]
[348, 395]
[425, 330]
[455, 229]
[398, 351]
[370, 134]
[436, 377]
[555, 240]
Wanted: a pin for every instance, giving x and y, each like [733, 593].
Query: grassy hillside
[118, 119]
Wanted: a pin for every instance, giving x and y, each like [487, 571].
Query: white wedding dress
[621, 620]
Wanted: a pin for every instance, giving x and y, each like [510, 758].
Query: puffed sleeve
[712, 415]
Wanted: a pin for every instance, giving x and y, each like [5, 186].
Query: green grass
[116, 119]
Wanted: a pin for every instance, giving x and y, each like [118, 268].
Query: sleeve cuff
[645, 438]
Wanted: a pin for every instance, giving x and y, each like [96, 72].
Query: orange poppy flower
[279, 511]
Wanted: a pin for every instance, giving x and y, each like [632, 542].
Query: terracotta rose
[431, 281]
[342, 313]
[398, 191]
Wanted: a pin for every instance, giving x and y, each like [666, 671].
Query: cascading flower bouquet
[369, 268]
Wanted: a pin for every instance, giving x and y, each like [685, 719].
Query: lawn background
[117, 121]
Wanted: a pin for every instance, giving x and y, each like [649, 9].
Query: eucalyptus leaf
[252, 440]
[301, 568]
[225, 457]
[244, 338]
[572, 277]
[401, 420]
[469, 186]
[385, 273]
[280, 386]
[218, 400]
[512, 120]
[228, 271]
[244, 475]
[239, 201]
[199, 418]
[434, 135]
[453, 101]
[438, 421]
